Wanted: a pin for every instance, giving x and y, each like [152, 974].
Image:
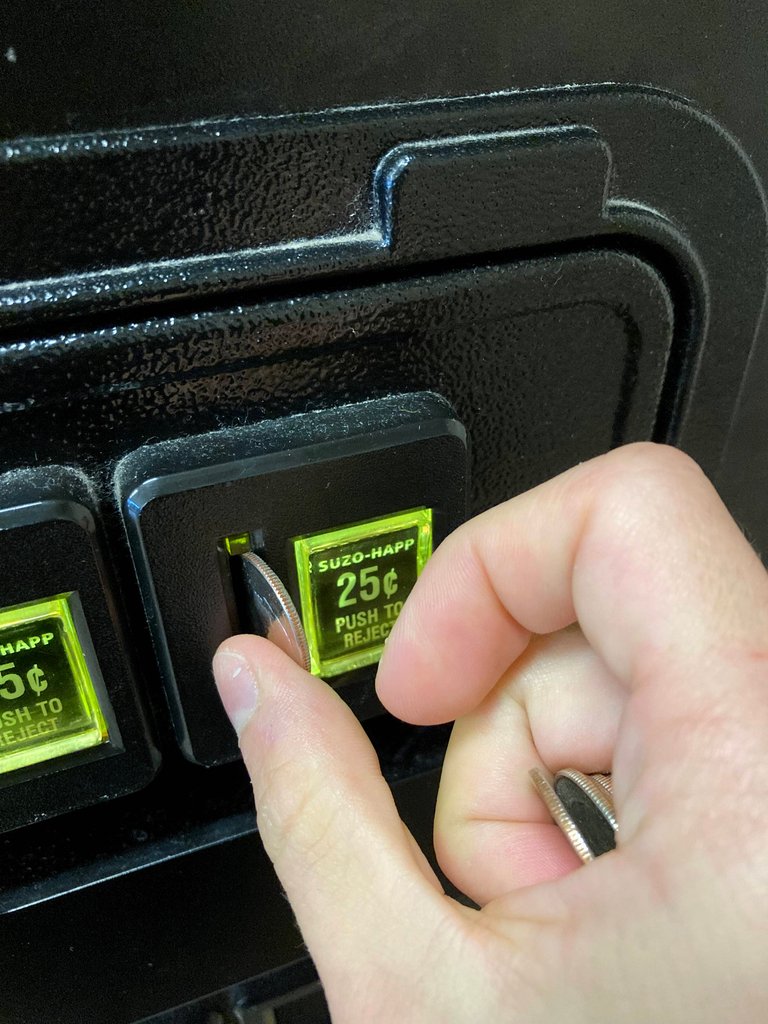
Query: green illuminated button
[353, 582]
[48, 701]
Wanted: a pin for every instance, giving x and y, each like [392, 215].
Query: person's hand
[665, 684]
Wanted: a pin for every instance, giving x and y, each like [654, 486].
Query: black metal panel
[132, 62]
[181, 214]
[76, 67]
[225, 196]
[520, 350]
[569, 360]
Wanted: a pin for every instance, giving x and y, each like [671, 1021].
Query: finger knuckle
[643, 488]
[651, 469]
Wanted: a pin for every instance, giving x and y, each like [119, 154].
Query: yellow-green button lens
[353, 582]
[48, 702]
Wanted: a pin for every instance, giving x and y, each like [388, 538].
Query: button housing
[50, 545]
[273, 481]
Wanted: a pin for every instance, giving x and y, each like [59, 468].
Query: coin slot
[229, 550]
[258, 601]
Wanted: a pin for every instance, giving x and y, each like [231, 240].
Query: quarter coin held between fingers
[582, 806]
[272, 612]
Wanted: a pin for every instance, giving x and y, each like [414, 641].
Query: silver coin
[271, 610]
[582, 806]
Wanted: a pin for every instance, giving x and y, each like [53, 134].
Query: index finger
[635, 545]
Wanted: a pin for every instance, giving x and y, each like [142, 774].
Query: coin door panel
[415, 309]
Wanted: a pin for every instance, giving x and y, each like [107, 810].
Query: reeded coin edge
[596, 789]
[288, 608]
[560, 815]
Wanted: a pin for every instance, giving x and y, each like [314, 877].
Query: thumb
[355, 879]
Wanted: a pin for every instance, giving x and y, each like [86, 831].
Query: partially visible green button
[353, 582]
[48, 694]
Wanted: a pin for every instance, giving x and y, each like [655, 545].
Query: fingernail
[237, 686]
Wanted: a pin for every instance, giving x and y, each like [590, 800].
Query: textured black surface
[68, 66]
[179, 214]
[132, 63]
[497, 171]
[520, 350]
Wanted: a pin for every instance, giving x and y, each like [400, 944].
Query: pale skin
[614, 618]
